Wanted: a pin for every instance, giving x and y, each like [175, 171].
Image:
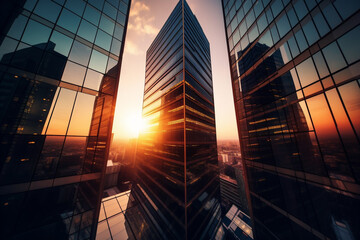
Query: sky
[146, 19]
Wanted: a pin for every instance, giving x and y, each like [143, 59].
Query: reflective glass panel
[72, 156]
[103, 40]
[333, 57]
[110, 10]
[82, 115]
[73, 73]
[80, 53]
[98, 61]
[92, 15]
[107, 24]
[36, 33]
[60, 116]
[69, 21]
[87, 31]
[115, 47]
[93, 79]
[48, 10]
[350, 46]
[17, 27]
[307, 73]
[77, 6]
[62, 43]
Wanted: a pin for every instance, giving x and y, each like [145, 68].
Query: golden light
[135, 125]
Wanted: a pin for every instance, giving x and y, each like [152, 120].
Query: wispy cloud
[132, 48]
[139, 21]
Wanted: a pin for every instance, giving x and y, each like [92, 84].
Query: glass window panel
[350, 46]
[61, 2]
[295, 78]
[48, 10]
[285, 53]
[331, 16]
[276, 7]
[123, 7]
[307, 73]
[107, 24]
[82, 115]
[321, 24]
[233, 24]
[242, 28]
[27, 61]
[93, 79]
[102, 231]
[74, 73]
[7, 48]
[92, 15]
[328, 137]
[310, 4]
[69, 21]
[30, 4]
[310, 32]
[250, 18]
[274, 34]
[111, 64]
[292, 17]
[350, 94]
[97, 3]
[240, 15]
[123, 201]
[300, 38]
[87, 31]
[247, 6]
[98, 61]
[117, 227]
[119, 31]
[80, 53]
[102, 213]
[111, 207]
[17, 28]
[320, 65]
[77, 6]
[60, 116]
[72, 156]
[244, 42]
[347, 8]
[253, 33]
[293, 47]
[115, 3]
[283, 25]
[36, 33]
[262, 23]
[333, 57]
[103, 40]
[300, 9]
[52, 64]
[266, 39]
[50, 154]
[110, 10]
[121, 18]
[269, 15]
[62, 43]
[258, 8]
[115, 47]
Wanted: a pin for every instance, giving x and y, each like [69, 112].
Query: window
[77, 6]
[349, 45]
[110, 10]
[17, 27]
[80, 53]
[61, 114]
[331, 16]
[119, 31]
[321, 24]
[8, 46]
[107, 24]
[283, 25]
[48, 10]
[300, 38]
[123, 7]
[87, 31]
[69, 21]
[36, 33]
[333, 57]
[92, 15]
[103, 40]
[74, 73]
[320, 65]
[93, 79]
[62, 43]
[347, 8]
[82, 115]
[121, 18]
[276, 7]
[115, 47]
[307, 73]
[98, 61]
[300, 9]
[97, 3]
[310, 32]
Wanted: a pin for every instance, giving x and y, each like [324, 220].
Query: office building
[59, 70]
[237, 225]
[176, 162]
[295, 75]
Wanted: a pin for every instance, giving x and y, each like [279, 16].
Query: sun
[135, 125]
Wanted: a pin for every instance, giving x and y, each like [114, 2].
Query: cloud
[139, 22]
[132, 48]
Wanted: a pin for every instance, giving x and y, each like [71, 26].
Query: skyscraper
[295, 77]
[178, 177]
[59, 70]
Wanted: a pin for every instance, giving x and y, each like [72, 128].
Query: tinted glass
[80, 53]
[48, 10]
[69, 21]
[36, 33]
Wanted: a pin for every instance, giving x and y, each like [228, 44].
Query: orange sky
[146, 19]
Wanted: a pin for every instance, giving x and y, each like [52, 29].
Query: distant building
[237, 225]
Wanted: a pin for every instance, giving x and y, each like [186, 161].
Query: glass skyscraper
[59, 71]
[295, 74]
[177, 172]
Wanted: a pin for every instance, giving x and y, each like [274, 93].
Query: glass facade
[178, 175]
[295, 76]
[59, 69]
